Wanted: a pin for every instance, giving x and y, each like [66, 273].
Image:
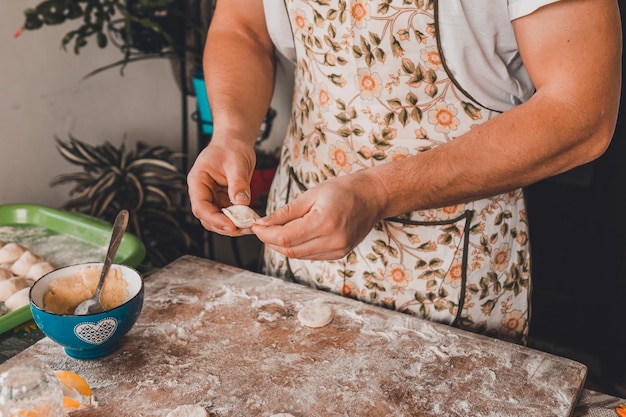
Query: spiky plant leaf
[142, 179]
[70, 154]
[89, 153]
[156, 163]
[103, 203]
[103, 183]
[79, 177]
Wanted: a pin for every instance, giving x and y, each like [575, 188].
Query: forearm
[239, 71]
[527, 144]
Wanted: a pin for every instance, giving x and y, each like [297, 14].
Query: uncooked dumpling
[242, 216]
[39, 270]
[18, 299]
[10, 252]
[25, 262]
[10, 286]
[316, 314]
[5, 274]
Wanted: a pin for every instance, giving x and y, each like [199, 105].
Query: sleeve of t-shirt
[279, 28]
[519, 8]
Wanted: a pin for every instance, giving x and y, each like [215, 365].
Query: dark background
[578, 234]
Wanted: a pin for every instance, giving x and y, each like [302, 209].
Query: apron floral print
[371, 88]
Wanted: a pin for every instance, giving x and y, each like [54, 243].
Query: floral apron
[371, 88]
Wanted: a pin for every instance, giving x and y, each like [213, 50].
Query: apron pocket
[416, 267]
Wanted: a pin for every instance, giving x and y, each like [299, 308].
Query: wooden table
[229, 341]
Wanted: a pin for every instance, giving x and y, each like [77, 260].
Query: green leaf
[488, 306]
[345, 131]
[441, 305]
[472, 111]
[411, 98]
[416, 114]
[435, 262]
[403, 117]
[408, 66]
[394, 103]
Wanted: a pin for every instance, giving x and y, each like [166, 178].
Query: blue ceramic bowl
[93, 335]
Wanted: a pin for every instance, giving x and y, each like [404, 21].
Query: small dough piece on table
[242, 216]
[18, 299]
[10, 253]
[189, 411]
[316, 314]
[10, 286]
[26, 261]
[5, 273]
[39, 270]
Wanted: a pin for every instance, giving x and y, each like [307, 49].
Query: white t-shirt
[477, 43]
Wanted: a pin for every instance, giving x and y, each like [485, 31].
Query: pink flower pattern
[371, 88]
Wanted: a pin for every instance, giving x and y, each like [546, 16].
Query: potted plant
[141, 29]
[142, 179]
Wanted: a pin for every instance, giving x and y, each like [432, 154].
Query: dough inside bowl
[65, 293]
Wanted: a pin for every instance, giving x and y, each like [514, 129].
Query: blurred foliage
[143, 180]
[141, 29]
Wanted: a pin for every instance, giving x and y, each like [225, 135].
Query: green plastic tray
[61, 238]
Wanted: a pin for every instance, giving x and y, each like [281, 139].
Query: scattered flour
[189, 411]
[58, 249]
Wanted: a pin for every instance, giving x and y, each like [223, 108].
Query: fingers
[326, 222]
[202, 194]
[299, 232]
[299, 241]
[214, 178]
[309, 252]
[238, 189]
[289, 212]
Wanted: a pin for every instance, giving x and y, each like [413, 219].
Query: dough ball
[188, 411]
[10, 286]
[11, 252]
[26, 261]
[242, 216]
[18, 299]
[316, 314]
[39, 270]
[5, 274]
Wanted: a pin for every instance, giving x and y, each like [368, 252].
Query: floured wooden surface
[230, 341]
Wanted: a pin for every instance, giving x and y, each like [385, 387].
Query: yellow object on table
[76, 391]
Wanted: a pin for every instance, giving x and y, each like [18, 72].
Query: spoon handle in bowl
[119, 227]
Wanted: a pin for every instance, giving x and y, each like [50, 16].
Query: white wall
[43, 94]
